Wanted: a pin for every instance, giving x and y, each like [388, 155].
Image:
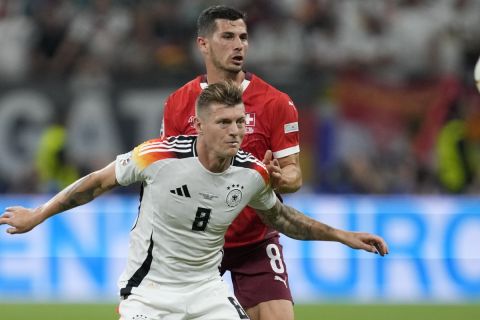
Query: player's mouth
[234, 144]
[237, 59]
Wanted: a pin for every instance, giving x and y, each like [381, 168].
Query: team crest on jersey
[234, 195]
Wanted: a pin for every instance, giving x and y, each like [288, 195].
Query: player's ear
[202, 44]
[198, 125]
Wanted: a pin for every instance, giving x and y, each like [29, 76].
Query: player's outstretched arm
[285, 173]
[296, 225]
[82, 191]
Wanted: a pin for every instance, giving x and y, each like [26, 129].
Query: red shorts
[258, 272]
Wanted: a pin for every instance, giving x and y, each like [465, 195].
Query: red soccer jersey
[271, 124]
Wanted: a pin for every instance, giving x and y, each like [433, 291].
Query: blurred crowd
[392, 39]
[312, 48]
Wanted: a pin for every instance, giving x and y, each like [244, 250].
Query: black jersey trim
[245, 159]
[188, 142]
[139, 207]
[140, 274]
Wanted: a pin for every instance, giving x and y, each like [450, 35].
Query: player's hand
[274, 170]
[366, 241]
[19, 219]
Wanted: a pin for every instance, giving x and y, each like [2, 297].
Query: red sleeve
[285, 130]
[169, 124]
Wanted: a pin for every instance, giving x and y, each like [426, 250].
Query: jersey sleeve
[264, 198]
[285, 129]
[135, 166]
[126, 170]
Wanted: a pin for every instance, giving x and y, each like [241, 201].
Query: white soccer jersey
[184, 210]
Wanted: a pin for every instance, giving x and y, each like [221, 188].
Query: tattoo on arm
[295, 224]
[80, 192]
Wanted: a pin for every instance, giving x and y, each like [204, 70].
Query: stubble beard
[231, 72]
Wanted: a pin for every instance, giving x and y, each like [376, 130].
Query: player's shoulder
[190, 90]
[267, 91]
[174, 147]
[244, 159]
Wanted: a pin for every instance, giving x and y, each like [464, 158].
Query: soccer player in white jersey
[193, 187]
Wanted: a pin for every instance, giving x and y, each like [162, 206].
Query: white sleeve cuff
[286, 152]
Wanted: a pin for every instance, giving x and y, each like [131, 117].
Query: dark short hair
[206, 20]
[227, 93]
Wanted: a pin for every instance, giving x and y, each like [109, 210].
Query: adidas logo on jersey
[181, 191]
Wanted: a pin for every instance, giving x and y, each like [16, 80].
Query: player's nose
[239, 44]
[233, 128]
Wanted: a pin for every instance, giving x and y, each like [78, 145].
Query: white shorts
[211, 300]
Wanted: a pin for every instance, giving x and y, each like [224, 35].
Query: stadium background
[390, 140]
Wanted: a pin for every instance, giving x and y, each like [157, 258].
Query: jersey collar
[245, 82]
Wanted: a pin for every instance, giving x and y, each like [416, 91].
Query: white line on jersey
[282, 280]
[163, 150]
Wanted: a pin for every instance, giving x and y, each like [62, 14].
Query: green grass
[41, 311]
[20, 311]
[388, 312]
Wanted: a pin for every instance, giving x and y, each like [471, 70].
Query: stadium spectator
[15, 41]
[51, 20]
[279, 46]
[55, 171]
[458, 147]
[463, 34]
[320, 21]
[93, 38]
[416, 26]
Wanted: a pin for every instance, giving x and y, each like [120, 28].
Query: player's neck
[215, 75]
[210, 160]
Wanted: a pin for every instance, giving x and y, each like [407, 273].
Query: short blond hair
[227, 93]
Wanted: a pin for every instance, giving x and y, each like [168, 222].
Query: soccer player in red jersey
[252, 251]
